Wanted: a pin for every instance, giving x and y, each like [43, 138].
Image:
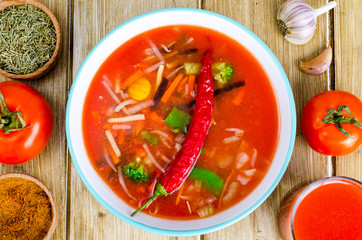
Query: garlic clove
[297, 20]
[318, 64]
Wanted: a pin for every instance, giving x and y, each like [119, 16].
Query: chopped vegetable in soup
[138, 111]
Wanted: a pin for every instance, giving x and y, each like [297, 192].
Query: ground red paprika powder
[25, 210]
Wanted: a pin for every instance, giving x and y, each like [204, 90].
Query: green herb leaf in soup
[150, 138]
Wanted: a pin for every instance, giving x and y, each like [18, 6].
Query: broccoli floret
[135, 172]
[222, 72]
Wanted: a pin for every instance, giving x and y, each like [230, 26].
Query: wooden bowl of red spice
[27, 207]
[30, 47]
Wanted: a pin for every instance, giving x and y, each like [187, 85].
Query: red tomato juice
[331, 211]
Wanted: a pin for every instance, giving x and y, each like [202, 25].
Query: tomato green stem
[335, 117]
[10, 121]
[160, 191]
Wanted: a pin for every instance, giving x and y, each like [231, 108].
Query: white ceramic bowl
[155, 19]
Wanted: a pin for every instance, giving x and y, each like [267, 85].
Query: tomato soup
[327, 210]
[140, 103]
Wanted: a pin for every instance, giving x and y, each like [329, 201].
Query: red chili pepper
[180, 168]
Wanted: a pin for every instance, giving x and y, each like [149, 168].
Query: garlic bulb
[297, 20]
[318, 64]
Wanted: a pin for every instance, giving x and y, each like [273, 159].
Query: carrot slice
[121, 136]
[191, 83]
[145, 111]
[182, 84]
[156, 118]
[138, 127]
[179, 194]
[113, 155]
[140, 152]
[107, 126]
[172, 88]
[141, 189]
[238, 97]
[131, 79]
[144, 65]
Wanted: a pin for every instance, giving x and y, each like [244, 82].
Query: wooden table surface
[85, 22]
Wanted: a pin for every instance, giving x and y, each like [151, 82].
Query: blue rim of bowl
[211, 228]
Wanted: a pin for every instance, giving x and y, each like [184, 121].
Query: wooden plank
[93, 20]
[348, 65]
[305, 165]
[50, 166]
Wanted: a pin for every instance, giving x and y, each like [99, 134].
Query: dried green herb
[27, 39]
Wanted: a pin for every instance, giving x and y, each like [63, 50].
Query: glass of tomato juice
[330, 208]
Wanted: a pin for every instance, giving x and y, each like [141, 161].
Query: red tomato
[25, 144]
[327, 138]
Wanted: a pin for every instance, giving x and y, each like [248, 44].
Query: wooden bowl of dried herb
[27, 207]
[30, 39]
